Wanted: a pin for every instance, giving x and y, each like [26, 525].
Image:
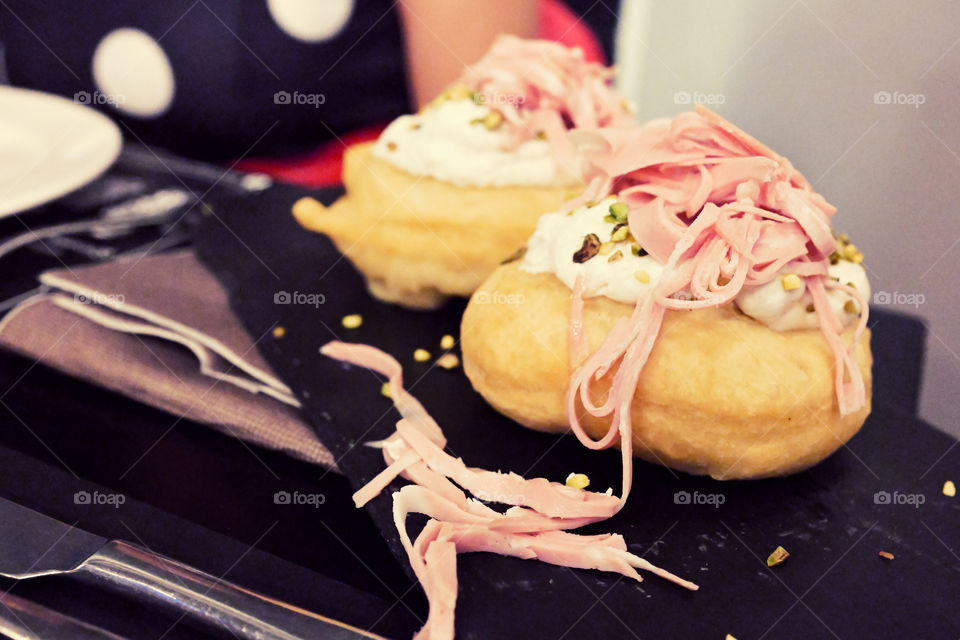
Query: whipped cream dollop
[506, 121]
[451, 141]
[624, 272]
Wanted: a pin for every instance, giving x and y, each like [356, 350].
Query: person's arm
[443, 36]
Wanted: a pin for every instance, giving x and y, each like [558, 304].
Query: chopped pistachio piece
[642, 276]
[616, 255]
[619, 210]
[493, 120]
[447, 342]
[459, 92]
[456, 92]
[637, 250]
[577, 481]
[352, 321]
[421, 355]
[845, 250]
[590, 248]
[448, 361]
[620, 233]
[606, 248]
[791, 281]
[609, 218]
[777, 557]
[949, 489]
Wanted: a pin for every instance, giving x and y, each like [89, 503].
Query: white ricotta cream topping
[617, 272]
[449, 141]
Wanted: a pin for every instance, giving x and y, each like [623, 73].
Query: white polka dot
[133, 73]
[311, 20]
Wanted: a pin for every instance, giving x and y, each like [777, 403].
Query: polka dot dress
[221, 78]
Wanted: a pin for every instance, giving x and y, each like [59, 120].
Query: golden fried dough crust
[721, 394]
[418, 240]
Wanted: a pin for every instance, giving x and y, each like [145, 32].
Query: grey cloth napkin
[159, 329]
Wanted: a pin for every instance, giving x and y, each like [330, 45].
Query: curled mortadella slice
[722, 211]
[536, 526]
[543, 87]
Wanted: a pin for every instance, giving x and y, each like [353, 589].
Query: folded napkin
[159, 329]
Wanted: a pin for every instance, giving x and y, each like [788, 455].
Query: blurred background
[862, 96]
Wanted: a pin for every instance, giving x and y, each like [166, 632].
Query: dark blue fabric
[229, 59]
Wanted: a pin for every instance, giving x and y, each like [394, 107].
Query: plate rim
[15, 203]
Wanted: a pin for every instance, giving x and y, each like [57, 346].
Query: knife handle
[212, 602]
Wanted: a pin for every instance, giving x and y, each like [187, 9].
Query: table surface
[206, 499]
[191, 493]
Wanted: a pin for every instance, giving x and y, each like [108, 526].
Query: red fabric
[320, 168]
[323, 167]
[559, 23]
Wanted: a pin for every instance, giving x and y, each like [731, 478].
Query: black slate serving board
[831, 519]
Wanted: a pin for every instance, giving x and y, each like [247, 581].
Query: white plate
[49, 146]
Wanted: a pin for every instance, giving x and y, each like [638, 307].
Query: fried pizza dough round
[418, 240]
[721, 394]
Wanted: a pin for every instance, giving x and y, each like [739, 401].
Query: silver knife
[33, 545]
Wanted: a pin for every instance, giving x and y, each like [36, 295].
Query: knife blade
[33, 545]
